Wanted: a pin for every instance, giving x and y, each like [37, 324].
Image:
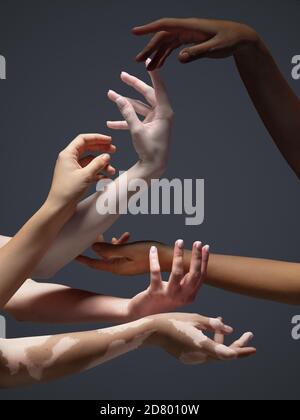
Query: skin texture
[33, 240]
[42, 359]
[34, 301]
[275, 101]
[265, 279]
[151, 140]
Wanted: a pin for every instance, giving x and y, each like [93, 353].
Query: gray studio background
[62, 57]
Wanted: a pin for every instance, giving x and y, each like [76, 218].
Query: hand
[74, 174]
[125, 259]
[209, 38]
[180, 290]
[151, 137]
[183, 337]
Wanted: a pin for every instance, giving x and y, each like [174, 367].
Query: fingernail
[110, 92]
[106, 157]
[228, 329]
[121, 101]
[153, 250]
[185, 55]
[207, 248]
[198, 245]
[180, 244]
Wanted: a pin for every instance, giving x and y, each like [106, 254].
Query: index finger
[166, 24]
[88, 142]
[159, 86]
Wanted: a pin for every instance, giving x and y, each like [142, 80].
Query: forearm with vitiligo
[28, 361]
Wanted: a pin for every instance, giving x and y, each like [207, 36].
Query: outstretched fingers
[159, 40]
[141, 87]
[161, 93]
[241, 346]
[139, 107]
[196, 52]
[166, 24]
[128, 113]
[155, 271]
[177, 273]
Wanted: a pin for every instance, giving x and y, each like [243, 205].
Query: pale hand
[184, 337]
[180, 290]
[151, 136]
[74, 174]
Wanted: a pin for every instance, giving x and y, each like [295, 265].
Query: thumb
[106, 266]
[97, 165]
[107, 251]
[198, 51]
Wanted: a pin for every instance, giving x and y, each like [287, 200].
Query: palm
[151, 133]
[153, 302]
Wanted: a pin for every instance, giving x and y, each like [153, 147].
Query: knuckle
[80, 137]
[62, 155]
[177, 272]
[164, 20]
[155, 272]
[136, 131]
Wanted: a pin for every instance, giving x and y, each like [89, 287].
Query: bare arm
[275, 101]
[19, 257]
[151, 139]
[259, 278]
[272, 96]
[29, 361]
[34, 302]
[22, 253]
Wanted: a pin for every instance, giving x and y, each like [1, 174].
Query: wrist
[152, 168]
[250, 45]
[57, 207]
[159, 327]
[128, 314]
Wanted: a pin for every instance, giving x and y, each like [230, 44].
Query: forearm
[36, 360]
[87, 223]
[21, 254]
[34, 302]
[258, 278]
[273, 98]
